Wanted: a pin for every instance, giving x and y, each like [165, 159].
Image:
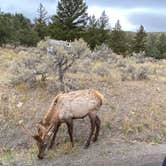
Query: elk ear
[37, 138]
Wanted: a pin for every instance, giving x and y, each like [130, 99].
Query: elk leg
[70, 130]
[92, 121]
[97, 123]
[53, 138]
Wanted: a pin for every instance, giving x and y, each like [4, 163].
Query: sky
[131, 13]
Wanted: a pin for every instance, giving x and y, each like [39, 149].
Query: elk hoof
[40, 157]
[94, 139]
[86, 146]
[50, 147]
[72, 145]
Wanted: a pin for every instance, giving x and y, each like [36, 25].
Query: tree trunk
[61, 76]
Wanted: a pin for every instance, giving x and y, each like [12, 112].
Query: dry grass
[122, 114]
[140, 125]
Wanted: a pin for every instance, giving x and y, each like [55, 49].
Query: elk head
[42, 137]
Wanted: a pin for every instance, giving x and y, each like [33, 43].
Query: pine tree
[16, 29]
[91, 36]
[97, 33]
[117, 26]
[5, 28]
[162, 43]
[151, 46]
[103, 28]
[41, 22]
[139, 43]
[70, 19]
[103, 20]
[117, 40]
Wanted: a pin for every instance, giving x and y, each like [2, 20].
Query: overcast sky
[131, 13]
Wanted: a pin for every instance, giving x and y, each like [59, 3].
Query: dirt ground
[108, 154]
[133, 130]
[111, 149]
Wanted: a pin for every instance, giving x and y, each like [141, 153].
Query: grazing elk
[64, 108]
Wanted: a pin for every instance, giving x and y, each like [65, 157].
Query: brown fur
[50, 113]
[99, 96]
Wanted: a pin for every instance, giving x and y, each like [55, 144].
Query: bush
[103, 52]
[142, 73]
[101, 69]
[133, 73]
[29, 67]
[36, 64]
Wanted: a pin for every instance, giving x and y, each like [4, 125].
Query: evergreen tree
[103, 28]
[28, 37]
[103, 20]
[117, 40]
[97, 32]
[16, 29]
[22, 32]
[151, 46]
[5, 28]
[117, 26]
[19, 24]
[70, 20]
[41, 22]
[139, 43]
[91, 35]
[161, 45]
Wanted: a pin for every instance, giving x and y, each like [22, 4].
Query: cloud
[132, 13]
[128, 3]
[114, 15]
[152, 21]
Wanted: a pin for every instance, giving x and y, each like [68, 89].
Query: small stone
[20, 122]
[19, 105]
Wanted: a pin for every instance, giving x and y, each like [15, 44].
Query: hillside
[133, 114]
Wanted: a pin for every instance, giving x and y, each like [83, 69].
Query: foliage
[36, 64]
[28, 37]
[16, 29]
[4, 28]
[139, 42]
[28, 66]
[130, 72]
[161, 45]
[72, 22]
[69, 21]
[63, 56]
[41, 22]
[97, 33]
[151, 46]
[117, 40]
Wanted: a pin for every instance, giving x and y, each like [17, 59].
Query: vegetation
[16, 29]
[127, 67]
[69, 21]
[139, 40]
[133, 109]
[97, 32]
[41, 22]
[36, 64]
[118, 39]
[72, 22]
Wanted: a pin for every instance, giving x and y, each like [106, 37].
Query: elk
[64, 109]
